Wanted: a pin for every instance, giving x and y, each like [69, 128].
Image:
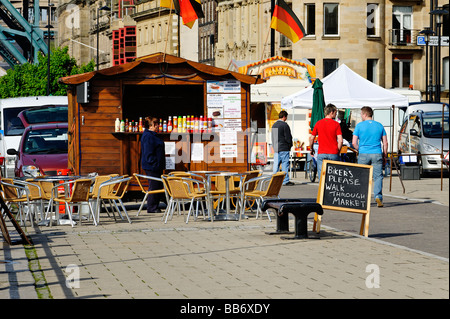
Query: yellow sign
[280, 70]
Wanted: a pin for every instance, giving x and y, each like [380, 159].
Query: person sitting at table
[153, 160]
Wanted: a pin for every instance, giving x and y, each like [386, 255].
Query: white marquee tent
[346, 89]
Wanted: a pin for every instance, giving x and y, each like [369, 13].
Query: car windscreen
[432, 126]
[46, 141]
[46, 114]
[12, 125]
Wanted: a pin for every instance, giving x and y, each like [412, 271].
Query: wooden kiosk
[159, 85]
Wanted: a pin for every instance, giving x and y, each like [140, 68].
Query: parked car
[43, 114]
[42, 150]
[421, 133]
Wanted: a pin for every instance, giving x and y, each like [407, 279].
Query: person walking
[282, 143]
[153, 160]
[370, 140]
[329, 135]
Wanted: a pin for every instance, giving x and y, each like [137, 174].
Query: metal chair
[179, 187]
[76, 192]
[113, 191]
[146, 191]
[19, 195]
[274, 183]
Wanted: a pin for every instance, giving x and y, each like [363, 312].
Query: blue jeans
[321, 157]
[376, 160]
[283, 158]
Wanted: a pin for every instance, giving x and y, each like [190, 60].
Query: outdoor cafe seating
[68, 199]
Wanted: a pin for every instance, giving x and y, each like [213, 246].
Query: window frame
[325, 20]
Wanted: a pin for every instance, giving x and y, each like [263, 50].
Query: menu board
[224, 105]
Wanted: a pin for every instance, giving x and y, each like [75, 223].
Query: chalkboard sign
[346, 187]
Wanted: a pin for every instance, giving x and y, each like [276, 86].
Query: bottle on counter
[131, 128]
[195, 128]
[184, 123]
[200, 124]
[169, 125]
[122, 126]
[164, 130]
[175, 124]
[126, 126]
[180, 124]
[160, 128]
[209, 124]
[117, 125]
[141, 127]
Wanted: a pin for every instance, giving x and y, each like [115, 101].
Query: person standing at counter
[153, 160]
[282, 143]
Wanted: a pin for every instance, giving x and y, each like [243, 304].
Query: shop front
[204, 114]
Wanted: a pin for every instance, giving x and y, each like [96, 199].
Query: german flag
[286, 22]
[188, 10]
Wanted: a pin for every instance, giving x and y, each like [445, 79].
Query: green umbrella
[318, 103]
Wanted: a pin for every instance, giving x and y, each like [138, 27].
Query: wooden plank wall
[101, 151]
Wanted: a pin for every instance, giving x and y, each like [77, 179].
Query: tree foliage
[31, 79]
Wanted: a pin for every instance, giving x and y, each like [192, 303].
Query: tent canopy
[346, 89]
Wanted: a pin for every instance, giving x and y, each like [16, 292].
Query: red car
[42, 150]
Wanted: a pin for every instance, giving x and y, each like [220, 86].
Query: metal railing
[403, 37]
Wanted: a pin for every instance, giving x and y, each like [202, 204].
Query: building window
[152, 34]
[401, 71]
[331, 19]
[310, 18]
[329, 65]
[445, 24]
[401, 24]
[372, 70]
[373, 20]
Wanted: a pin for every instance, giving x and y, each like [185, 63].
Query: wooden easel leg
[317, 221]
[364, 230]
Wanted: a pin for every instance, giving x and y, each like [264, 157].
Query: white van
[11, 127]
[423, 133]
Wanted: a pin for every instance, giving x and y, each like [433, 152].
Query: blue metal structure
[20, 41]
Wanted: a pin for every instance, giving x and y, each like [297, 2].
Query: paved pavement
[229, 259]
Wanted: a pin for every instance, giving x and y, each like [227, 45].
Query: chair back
[46, 189]
[99, 179]
[34, 189]
[178, 188]
[274, 187]
[187, 175]
[80, 190]
[166, 185]
[221, 186]
[122, 188]
[252, 185]
[139, 182]
[9, 191]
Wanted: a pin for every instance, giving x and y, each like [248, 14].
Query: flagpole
[272, 31]
[167, 34]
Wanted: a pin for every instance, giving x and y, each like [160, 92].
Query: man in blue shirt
[370, 139]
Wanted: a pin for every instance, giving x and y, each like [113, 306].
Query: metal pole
[272, 31]
[48, 53]
[426, 68]
[438, 65]
[98, 10]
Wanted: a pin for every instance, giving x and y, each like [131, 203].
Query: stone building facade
[376, 38]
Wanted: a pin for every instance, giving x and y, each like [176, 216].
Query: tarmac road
[417, 219]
